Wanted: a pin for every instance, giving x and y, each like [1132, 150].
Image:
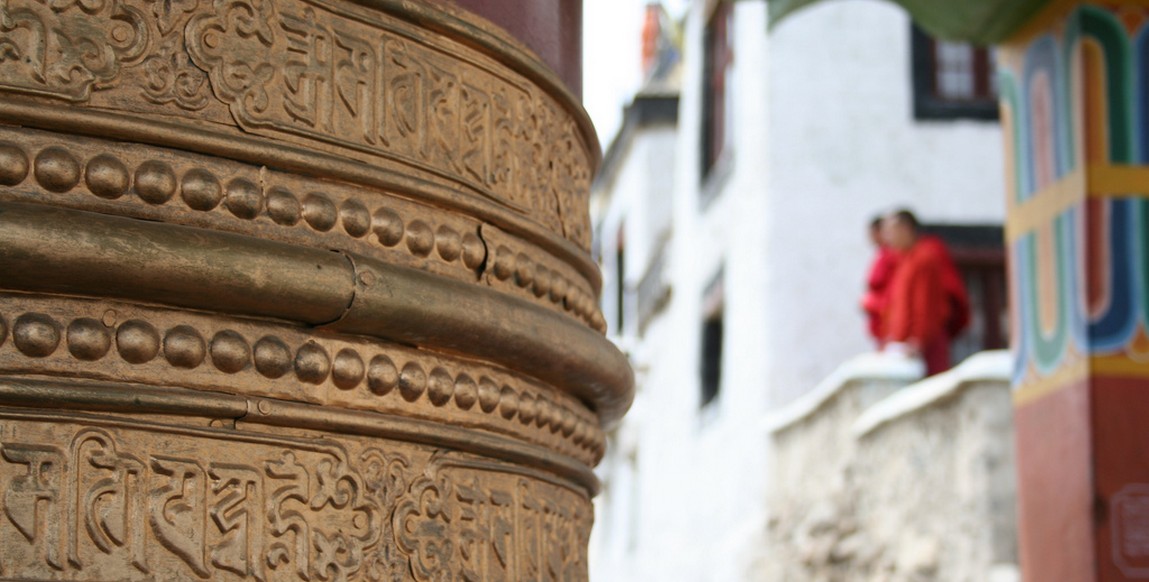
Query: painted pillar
[1075, 89]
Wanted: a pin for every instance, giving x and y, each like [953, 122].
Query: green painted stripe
[978, 21]
[1048, 351]
[1008, 88]
[1103, 26]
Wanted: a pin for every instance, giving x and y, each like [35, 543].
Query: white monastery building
[731, 215]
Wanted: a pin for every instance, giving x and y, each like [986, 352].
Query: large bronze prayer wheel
[294, 290]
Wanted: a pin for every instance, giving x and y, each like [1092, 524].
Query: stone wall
[885, 480]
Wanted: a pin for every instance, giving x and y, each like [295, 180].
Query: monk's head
[876, 231]
[900, 230]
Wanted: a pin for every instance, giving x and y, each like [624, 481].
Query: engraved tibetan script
[307, 72]
[108, 500]
[302, 70]
[310, 72]
[116, 502]
[455, 524]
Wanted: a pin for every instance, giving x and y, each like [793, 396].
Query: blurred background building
[731, 217]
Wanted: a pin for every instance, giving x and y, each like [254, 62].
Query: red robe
[919, 309]
[960, 315]
[877, 289]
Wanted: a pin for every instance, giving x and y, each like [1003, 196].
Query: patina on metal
[294, 290]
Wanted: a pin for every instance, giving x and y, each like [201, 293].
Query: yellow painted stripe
[1119, 365]
[1045, 205]
[1105, 180]
[1063, 377]
[1101, 181]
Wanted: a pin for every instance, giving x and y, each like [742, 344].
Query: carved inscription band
[442, 118]
[97, 499]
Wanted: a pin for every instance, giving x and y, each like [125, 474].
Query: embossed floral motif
[169, 74]
[232, 42]
[170, 13]
[68, 48]
[386, 476]
[172, 78]
[421, 523]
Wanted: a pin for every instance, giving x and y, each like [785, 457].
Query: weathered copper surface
[293, 290]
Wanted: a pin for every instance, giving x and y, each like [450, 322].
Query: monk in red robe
[878, 280]
[924, 309]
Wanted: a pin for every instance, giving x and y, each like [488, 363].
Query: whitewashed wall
[916, 485]
[699, 480]
[843, 146]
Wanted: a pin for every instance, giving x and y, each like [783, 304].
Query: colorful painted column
[1075, 109]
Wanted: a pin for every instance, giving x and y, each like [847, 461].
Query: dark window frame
[620, 273]
[713, 327]
[717, 57]
[711, 341]
[928, 105]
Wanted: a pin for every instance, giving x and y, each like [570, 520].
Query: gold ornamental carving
[293, 290]
[328, 76]
[87, 498]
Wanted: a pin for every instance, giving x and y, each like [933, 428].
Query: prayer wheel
[297, 290]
